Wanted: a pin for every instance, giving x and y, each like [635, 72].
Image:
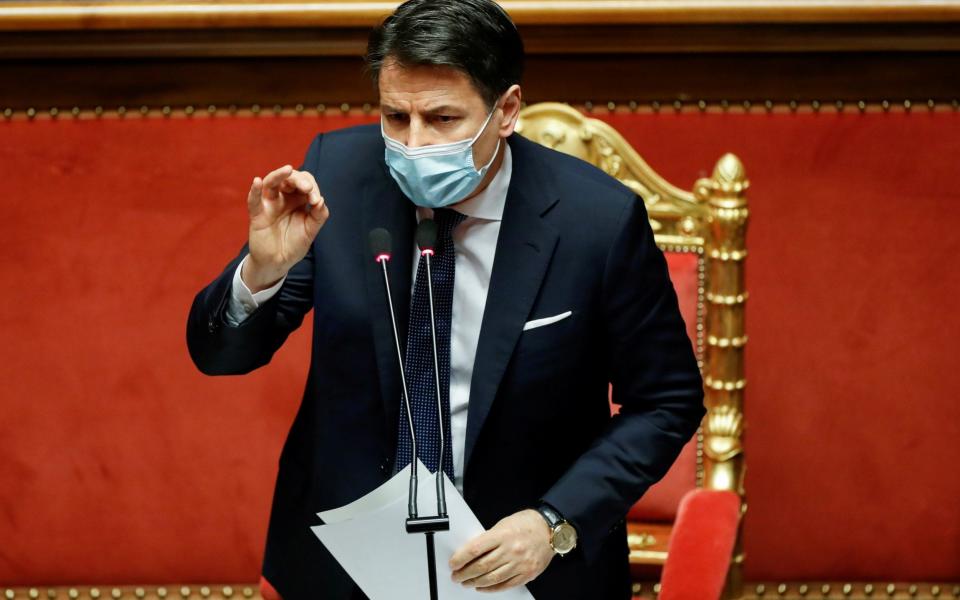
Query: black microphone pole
[380, 247]
[427, 240]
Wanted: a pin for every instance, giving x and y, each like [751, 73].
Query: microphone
[426, 240]
[427, 235]
[380, 248]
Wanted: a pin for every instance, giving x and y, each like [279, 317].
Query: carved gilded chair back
[709, 221]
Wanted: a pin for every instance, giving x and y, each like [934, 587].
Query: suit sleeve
[655, 379]
[220, 348]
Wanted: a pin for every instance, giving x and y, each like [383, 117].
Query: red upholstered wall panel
[117, 463]
[853, 419]
[120, 462]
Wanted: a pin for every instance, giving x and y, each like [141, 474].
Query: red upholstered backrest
[701, 546]
[661, 501]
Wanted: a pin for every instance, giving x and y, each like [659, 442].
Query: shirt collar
[489, 203]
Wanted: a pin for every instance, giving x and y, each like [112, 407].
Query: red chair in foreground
[701, 546]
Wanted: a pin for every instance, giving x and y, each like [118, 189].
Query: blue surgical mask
[437, 175]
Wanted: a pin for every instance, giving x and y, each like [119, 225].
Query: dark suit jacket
[539, 425]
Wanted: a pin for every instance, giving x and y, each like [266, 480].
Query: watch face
[564, 538]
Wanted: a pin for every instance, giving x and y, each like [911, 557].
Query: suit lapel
[524, 249]
[385, 206]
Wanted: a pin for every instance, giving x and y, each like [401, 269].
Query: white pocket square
[546, 321]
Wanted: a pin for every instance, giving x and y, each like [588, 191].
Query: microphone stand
[380, 241]
[412, 490]
[441, 522]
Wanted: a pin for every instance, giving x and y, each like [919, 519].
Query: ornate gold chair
[702, 234]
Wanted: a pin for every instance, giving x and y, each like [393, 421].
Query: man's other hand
[514, 552]
[286, 212]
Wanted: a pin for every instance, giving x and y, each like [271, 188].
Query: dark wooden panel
[689, 61]
[755, 77]
[598, 78]
[179, 82]
[581, 39]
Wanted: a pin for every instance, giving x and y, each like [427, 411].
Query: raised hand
[286, 212]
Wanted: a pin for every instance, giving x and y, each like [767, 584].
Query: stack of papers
[370, 540]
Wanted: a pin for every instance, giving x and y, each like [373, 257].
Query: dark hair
[473, 36]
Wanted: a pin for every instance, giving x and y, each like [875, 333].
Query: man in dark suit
[549, 288]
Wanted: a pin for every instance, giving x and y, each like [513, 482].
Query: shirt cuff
[243, 302]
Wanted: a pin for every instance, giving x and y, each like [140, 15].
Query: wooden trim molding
[836, 590]
[265, 110]
[174, 591]
[828, 590]
[41, 15]
[180, 52]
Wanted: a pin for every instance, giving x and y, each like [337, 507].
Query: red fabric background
[852, 412]
[121, 463]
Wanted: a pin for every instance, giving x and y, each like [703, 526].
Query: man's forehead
[427, 86]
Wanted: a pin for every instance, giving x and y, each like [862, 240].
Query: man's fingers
[314, 189]
[299, 182]
[316, 205]
[473, 549]
[489, 577]
[512, 582]
[480, 566]
[253, 197]
[271, 183]
[318, 211]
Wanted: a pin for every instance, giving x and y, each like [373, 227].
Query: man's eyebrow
[434, 110]
[443, 109]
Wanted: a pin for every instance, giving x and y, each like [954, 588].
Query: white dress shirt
[475, 243]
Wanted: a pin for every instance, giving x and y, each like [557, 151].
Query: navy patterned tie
[418, 365]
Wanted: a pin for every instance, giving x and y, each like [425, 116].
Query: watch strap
[551, 516]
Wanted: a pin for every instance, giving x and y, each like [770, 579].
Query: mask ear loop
[483, 170]
[484, 126]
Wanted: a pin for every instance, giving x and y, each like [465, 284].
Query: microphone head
[427, 234]
[380, 244]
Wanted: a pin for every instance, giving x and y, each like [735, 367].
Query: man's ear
[511, 110]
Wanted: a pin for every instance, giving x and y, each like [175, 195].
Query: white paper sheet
[392, 489]
[369, 539]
